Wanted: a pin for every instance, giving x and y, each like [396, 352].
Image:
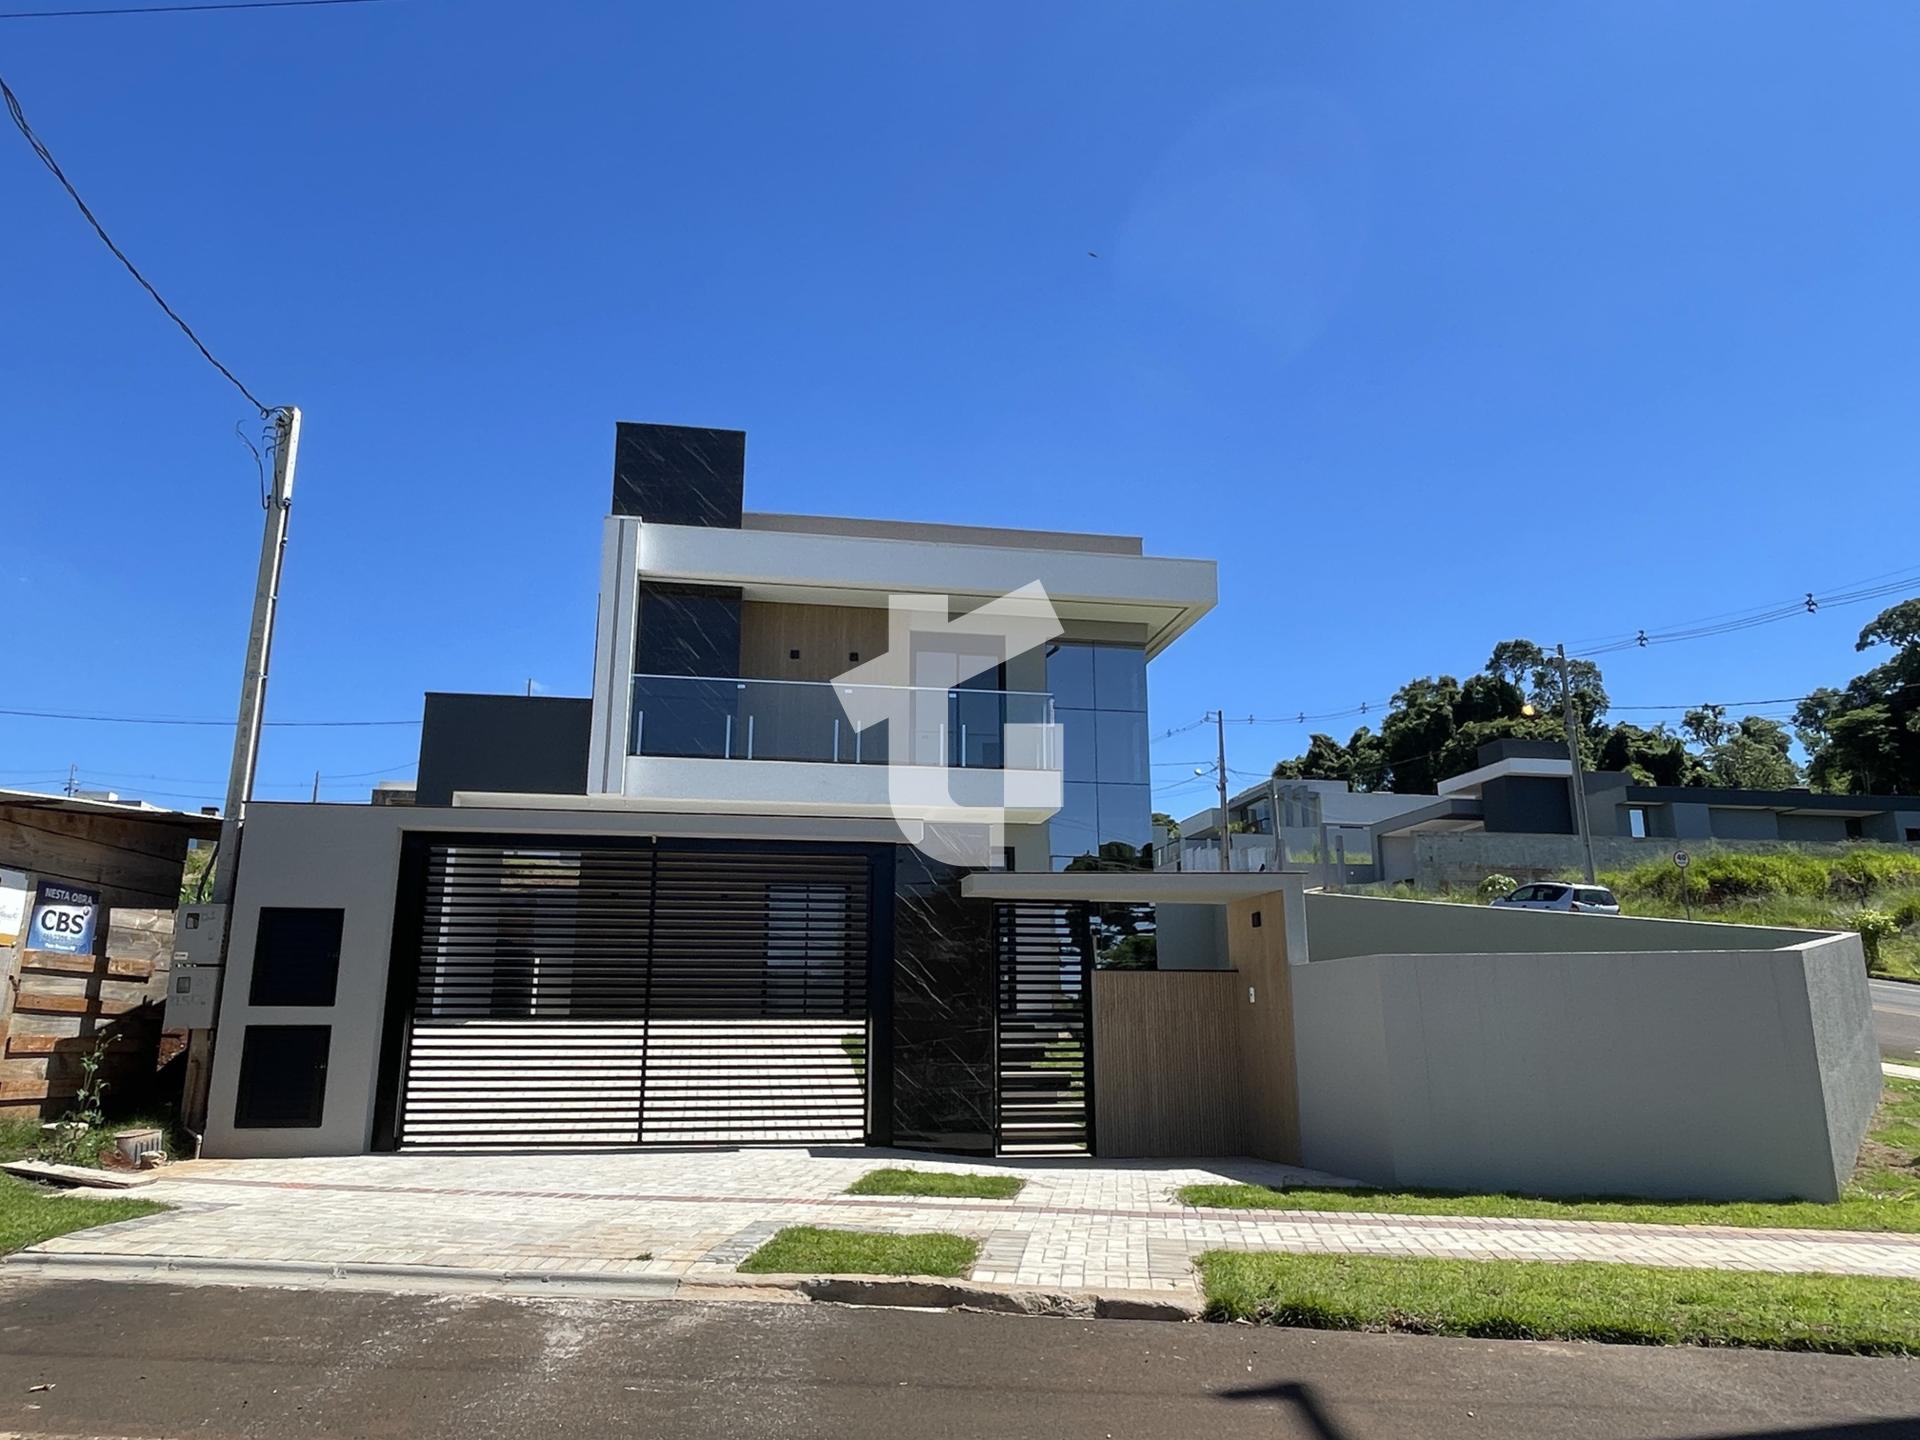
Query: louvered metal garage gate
[1044, 1028]
[575, 996]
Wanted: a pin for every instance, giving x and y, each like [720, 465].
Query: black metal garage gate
[1044, 1028]
[579, 995]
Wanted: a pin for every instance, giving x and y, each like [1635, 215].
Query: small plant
[1906, 914]
[1498, 887]
[76, 1138]
[1874, 926]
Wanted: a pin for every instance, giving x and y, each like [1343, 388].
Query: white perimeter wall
[348, 857]
[1725, 1073]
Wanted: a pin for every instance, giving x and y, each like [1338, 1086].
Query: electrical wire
[176, 9]
[173, 720]
[46, 158]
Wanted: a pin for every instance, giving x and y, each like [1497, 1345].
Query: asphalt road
[148, 1360]
[1896, 1019]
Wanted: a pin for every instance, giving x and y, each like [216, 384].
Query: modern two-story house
[724, 899]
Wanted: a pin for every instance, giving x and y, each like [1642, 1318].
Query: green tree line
[1860, 739]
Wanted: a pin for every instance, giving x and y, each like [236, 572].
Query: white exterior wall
[348, 857]
[1729, 1074]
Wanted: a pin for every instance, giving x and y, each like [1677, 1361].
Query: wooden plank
[127, 969]
[49, 961]
[15, 1091]
[42, 1002]
[37, 1044]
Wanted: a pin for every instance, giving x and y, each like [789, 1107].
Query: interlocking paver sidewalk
[1078, 1224]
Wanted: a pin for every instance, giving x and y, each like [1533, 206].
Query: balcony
[937, 755]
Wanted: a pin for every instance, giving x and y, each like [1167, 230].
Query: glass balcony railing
[715, 718]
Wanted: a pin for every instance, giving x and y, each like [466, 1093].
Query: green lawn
[1537, 1300]
[32, 1213]
[937, 1182]
[1884, 1195]
[810, 1250]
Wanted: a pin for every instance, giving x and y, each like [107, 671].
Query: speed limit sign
[1682, 859]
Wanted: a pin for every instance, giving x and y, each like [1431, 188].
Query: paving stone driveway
[696, 1215]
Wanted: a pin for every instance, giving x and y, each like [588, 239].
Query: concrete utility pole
[1220, 769]
[1578, 779]
[246, 733]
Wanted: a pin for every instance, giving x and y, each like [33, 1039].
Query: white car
[1585, 899]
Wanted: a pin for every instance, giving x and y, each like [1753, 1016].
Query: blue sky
[1436, 325]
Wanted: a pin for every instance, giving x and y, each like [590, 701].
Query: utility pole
[246, 733]
[316, 787]
[73, 780]
[1220, 773]
[1577, 779]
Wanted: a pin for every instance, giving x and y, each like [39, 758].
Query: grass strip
[812, 1250]
[937, 1182]
[1884, 1195]
[1538, 1300]
[30, 1214]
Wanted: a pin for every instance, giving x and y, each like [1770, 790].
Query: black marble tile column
[943, 1010]
[679, 474]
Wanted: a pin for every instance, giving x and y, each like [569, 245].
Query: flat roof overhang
[1164, 596]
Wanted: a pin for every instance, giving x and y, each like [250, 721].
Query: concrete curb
[917, 1292]
[312, 1275]
[932, 1293]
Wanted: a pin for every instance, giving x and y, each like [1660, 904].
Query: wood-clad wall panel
[1269, 1091]
[825, 635]
[1166, 1063]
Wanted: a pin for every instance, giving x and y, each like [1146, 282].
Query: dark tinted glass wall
[283, 1077]
[296, 956]
[1100, 702]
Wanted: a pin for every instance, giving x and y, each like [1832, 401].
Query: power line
[175, 9]
[181, 720]
[46, 158]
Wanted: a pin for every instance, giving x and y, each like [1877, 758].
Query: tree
[1326, 759]
[1866, 738]
[1515, 662]
[1369, 760]
[1652, 757]
[1590, 699]
[1752, 753]
[1167, 823]
[1755, 756]
[1416, 730]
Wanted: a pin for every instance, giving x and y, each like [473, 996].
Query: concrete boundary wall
[1730, 1074]
[1342, 925]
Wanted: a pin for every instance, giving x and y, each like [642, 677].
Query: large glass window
[1070, 676]
[1100, 698]
[1119, 678]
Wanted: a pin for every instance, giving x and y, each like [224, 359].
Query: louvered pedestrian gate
[635, 994]
[1043, 1032]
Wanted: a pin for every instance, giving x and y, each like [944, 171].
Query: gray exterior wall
[1190, 937]
[1344, 925]
[1724, 824]
[1820, 829]
[348, 857]
[1732, 1074]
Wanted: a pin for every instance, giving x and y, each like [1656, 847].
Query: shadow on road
[1312, 1415]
